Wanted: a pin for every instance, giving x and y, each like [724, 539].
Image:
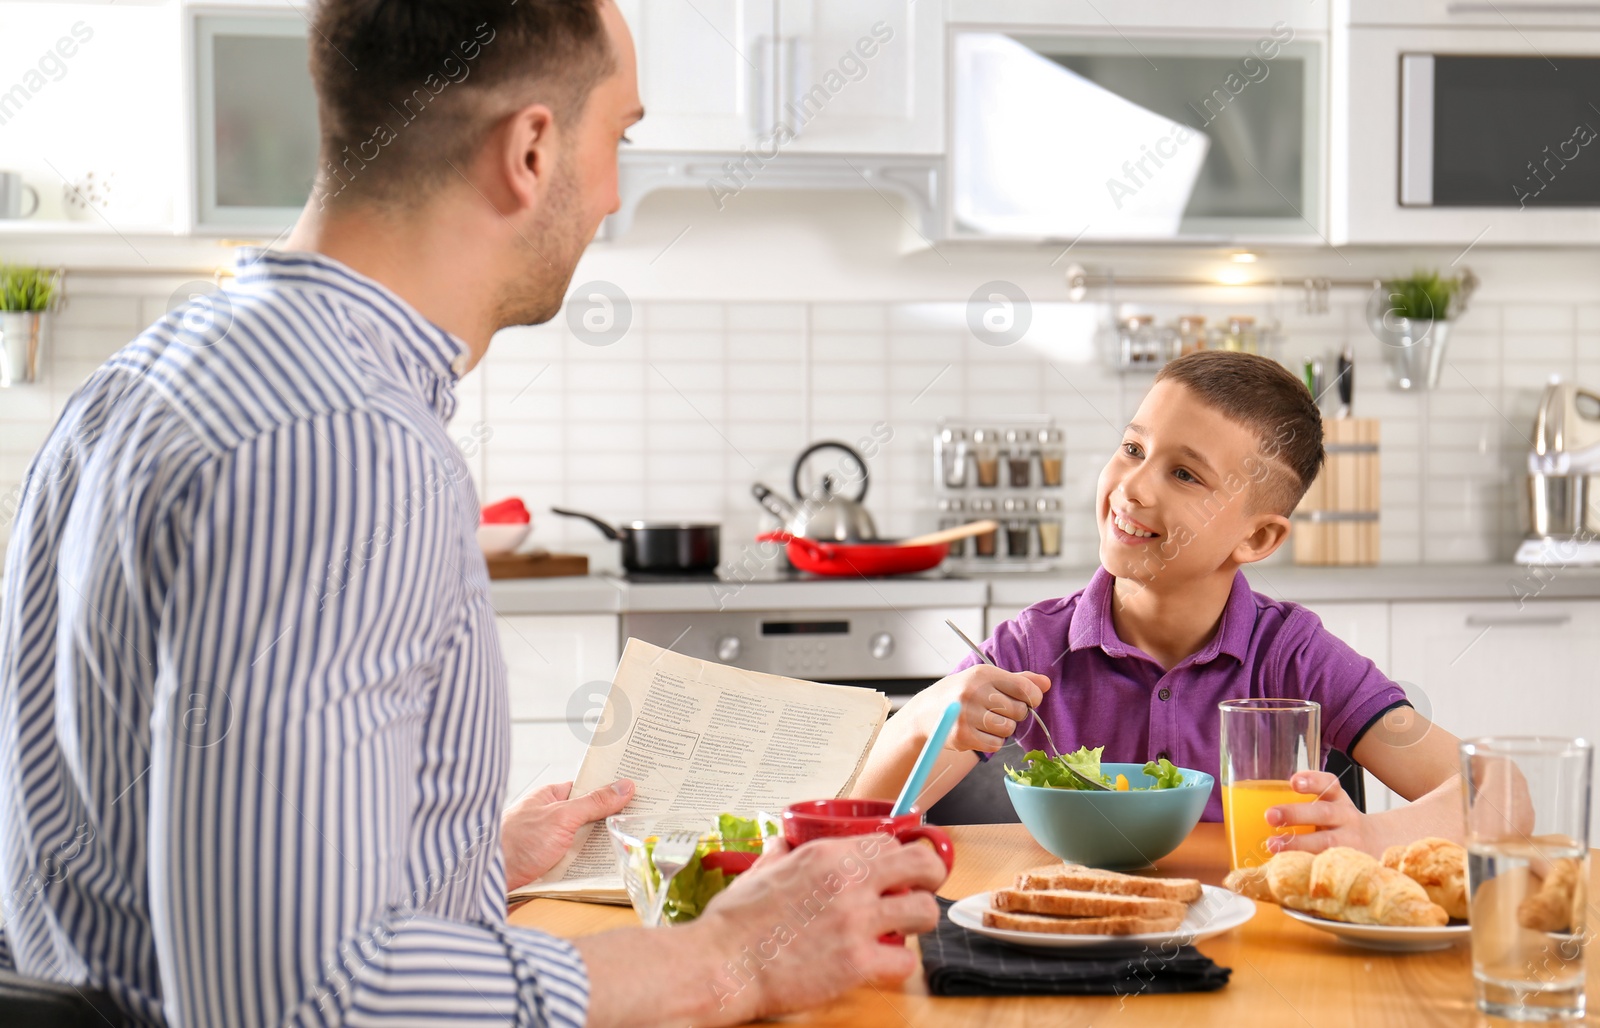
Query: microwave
[1465, 127]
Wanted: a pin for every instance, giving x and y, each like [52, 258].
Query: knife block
[1337, 521]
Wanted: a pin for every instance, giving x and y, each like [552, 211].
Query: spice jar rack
[1139, 342]
[1009, 472]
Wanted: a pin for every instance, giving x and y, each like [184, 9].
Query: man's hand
[1332, 813]
[802, 927]
[993, 703]
[536, 831]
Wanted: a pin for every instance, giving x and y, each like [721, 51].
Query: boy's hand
[1332, 813]
[993, 702]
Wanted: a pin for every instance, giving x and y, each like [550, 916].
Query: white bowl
[501, 540]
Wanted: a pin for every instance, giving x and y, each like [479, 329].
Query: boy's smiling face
[1187, 492]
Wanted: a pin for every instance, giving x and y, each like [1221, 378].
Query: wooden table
[1284, 973]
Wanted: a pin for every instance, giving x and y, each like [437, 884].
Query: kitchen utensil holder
[1337, 520]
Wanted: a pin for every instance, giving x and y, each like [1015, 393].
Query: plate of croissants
[1413, 900]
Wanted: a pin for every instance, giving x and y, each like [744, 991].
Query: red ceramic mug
[832, 819]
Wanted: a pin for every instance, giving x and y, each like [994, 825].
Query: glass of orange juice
[1264, 742]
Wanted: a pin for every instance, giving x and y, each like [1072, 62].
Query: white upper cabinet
[844, 76]
[704, 71]
[862, 75]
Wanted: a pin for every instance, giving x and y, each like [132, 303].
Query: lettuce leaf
[1041, 769]
[1051, 772]
[1165, 773]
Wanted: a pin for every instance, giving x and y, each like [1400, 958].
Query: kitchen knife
[1347, 373]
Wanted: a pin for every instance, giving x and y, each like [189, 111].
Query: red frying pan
[873, 560]
[857, 560]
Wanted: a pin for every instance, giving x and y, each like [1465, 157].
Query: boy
[1217, 456]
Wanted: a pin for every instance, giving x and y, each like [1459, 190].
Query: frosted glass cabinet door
[1088, 135]
[705, 72]
[254, 151]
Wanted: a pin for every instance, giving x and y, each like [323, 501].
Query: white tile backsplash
[700, 399]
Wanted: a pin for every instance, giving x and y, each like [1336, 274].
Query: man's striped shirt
[254, 727]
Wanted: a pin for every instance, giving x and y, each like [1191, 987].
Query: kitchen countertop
[603, 594]
[1379, 584]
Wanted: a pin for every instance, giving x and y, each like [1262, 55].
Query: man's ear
[1263, 541]
[524, 150]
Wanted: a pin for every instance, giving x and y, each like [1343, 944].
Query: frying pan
[661, 546]
[857, 560]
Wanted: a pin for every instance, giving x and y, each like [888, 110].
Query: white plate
[1216, 911]
[1387, 937]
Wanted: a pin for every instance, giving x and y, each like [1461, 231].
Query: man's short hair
[1264, 397]
[405, 88]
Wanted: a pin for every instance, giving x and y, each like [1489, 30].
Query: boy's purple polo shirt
[1106, 693]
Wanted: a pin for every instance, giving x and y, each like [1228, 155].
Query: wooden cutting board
[538, 565]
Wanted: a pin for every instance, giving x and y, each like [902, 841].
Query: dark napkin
[963, 963]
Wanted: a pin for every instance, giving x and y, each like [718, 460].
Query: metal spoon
[1074, 772]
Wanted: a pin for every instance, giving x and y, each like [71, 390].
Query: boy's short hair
[1262, 395]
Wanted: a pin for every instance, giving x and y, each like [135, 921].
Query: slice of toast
[1045, 924]
[1092, 879]
[1078, 903]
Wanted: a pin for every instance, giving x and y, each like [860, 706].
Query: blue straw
[925, 761]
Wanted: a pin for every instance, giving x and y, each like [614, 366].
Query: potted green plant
[1412, 317]
[26, 295]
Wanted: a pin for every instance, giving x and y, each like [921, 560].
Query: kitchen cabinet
[992, 616]
[550, 658]
[865, 76]
[1497, 668]
[559, 668]
[704, 72]
[543, 752]
[845, 76]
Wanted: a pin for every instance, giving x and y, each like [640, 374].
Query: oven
[898, 651]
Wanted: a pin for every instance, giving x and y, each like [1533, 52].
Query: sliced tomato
[729, 862]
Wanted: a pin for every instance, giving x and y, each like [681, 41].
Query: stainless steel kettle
[824, 512]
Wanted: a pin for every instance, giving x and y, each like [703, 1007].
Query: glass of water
[1527, 807]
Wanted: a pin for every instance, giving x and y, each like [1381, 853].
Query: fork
[1074, 772]
[671, 854]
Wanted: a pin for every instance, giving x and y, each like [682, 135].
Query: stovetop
[739, 576]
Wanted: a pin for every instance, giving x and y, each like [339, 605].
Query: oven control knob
[728, 648]
[881, 646]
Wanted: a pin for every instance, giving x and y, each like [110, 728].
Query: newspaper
[694, 735]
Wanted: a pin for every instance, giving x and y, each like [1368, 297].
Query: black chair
[1350, 777]
[980, 798]
[32, 1003]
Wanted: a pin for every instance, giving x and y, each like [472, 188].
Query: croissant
[1558, 904]
[1439, 866]
[1340, 884]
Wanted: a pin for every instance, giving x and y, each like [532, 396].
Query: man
[253, 714]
